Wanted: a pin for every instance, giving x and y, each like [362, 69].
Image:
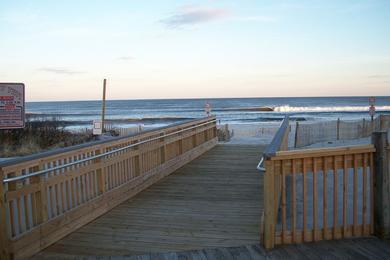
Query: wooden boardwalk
[358, 248]
[214, 201]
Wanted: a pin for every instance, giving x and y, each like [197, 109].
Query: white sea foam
[285, 109]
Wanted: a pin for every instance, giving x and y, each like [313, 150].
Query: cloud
[190, 15]
[60, 71]
[125, 58]
[258, 18]
[379, 76]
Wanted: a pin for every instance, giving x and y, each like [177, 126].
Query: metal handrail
[274, 146]
[260, 166]
[22, 177]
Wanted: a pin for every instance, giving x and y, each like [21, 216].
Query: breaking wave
[285, 109]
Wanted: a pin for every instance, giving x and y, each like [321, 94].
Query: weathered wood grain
[358, 248]
[214, 201]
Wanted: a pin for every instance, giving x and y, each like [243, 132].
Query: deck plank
[214, 201]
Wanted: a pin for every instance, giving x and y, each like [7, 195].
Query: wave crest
[285, 109]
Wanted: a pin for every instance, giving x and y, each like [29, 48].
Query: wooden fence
[317, 194]
[70, 187]
[307, 133]
[124, 131]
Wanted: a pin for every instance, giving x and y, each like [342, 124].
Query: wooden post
[194, 139]
[42, 200]
[381, 186]
[338, 128]
[381, 122]
[269, 204]
[163, 149]
[180, 142]
[4, 245]
[296, 134]
[364, 134]
[104, 103]
[101, 178]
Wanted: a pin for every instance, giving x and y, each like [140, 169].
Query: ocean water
[228, 110]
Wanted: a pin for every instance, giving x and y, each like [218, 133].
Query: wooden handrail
[75, 148]
[19, 178]
[278, 140]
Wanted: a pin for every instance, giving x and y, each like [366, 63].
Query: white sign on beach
[12, 105]
[97, 127]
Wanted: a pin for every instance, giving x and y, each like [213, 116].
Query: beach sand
[257, 133]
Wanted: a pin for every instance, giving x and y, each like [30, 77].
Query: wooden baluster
[294, 199]
[194, 144]
[163, 149]
[41, 197]
[138, 160]
[100, 173]
[355, 195]
[314, 199]
[4, 236]
[345, 187]
[304, 191]
[335, 200]
[372, 182]
[284, 224]
[206, 136]
[364, 222]
[325, 199]
[180, 143]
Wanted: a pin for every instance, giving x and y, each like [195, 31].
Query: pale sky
[62, 50]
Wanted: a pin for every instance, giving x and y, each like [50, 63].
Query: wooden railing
[47, 196]
[317, 194]
[279, 143]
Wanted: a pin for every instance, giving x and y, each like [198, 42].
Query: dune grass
[39, 135]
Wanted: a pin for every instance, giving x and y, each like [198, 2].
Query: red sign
[6, 98]
[11, 105]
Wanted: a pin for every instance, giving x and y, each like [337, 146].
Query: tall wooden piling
[382, 185]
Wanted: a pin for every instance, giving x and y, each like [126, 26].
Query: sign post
[371, 102]
[103, 104]
[207, 109]
[12, 103]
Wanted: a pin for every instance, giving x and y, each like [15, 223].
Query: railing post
[206, 134]
[180, 142]
[41, 196]
[194, 141]
[296, 134]
[381, 122]
[138, 160]
[269, 204]
[101, 178]
[4, 244]
[163, 149]
[364, 128]
[381, 185]
[338, 128]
